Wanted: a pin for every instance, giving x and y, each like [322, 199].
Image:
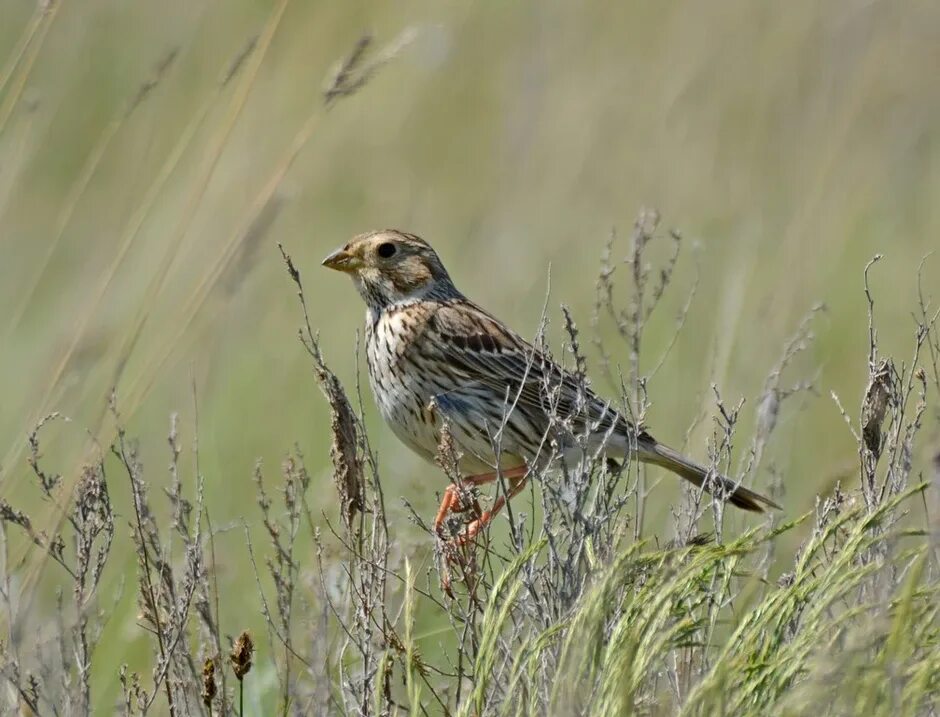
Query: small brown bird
[435, 356]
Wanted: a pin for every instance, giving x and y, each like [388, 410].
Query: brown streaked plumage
[434, 355]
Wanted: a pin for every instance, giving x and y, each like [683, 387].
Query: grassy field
[152, 156]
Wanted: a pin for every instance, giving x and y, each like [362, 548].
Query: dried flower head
[209, 688]
[241, 655]
[875, 405]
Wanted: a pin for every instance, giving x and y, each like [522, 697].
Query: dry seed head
[209, 688]
[241, 655]
[448, 455]
[9, 514]
[875, 405]
[347, 464]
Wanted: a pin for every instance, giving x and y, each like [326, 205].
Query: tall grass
[152, 155]
[567, 611]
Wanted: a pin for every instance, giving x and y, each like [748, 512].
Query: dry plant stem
[645, 296]
[363, 513]
[77, 190]
[929, 322]
[886, 431]
[137, 393]
[773, 395]
[209, 165]
[282, 567]
[167, 597]
[25, 61]
[149, 591]
[138, 218]
[130, 233]
[11, 669]
[262, 201]
[90, 525]
[208, 593]
[22, 44]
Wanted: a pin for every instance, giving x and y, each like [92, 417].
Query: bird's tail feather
[660, 455]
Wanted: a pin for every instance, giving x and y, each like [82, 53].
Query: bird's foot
[456, 549]
[456, 499]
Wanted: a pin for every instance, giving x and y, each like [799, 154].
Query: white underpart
[396, 401]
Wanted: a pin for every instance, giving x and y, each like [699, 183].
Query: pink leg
[517, 480]
[450, 503]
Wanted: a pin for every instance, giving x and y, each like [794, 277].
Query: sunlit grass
[793, 143]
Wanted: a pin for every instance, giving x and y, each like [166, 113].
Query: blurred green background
[789, 142]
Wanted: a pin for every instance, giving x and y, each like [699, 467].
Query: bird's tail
[739, 496]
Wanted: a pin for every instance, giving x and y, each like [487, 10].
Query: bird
[435, 358]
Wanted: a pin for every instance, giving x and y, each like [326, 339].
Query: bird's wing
[482, 350]
[491, 365]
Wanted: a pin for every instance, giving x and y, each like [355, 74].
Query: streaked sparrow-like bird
[434, 356]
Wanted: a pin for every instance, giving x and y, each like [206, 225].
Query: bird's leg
[451, 502]
[517, 480]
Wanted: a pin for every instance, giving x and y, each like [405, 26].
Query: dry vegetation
[206, 587]
[571, 607]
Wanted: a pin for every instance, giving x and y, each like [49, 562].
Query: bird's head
[390, 267]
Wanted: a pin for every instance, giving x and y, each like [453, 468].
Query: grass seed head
[241, 655]
[209, 688]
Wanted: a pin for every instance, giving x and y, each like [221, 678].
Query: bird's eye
[386, 250]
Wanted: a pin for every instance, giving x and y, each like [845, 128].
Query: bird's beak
[342, 260]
